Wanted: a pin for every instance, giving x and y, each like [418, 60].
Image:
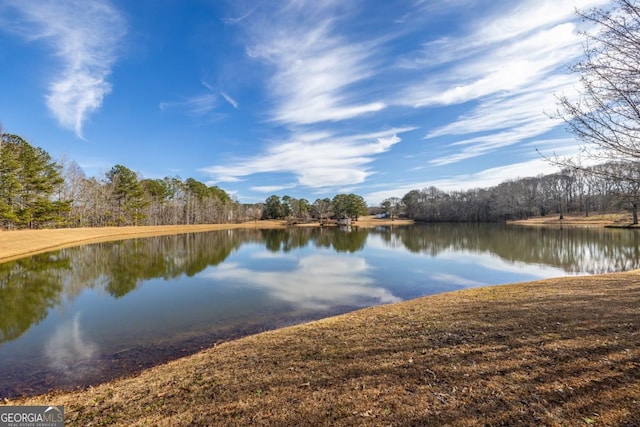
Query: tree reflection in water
[30, 287]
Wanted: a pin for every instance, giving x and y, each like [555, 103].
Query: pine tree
[127, 194]
[28, 181]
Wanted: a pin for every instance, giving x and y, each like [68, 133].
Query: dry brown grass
[560, 352]
[372, 221]
[594, 220]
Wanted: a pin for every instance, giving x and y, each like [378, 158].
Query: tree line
[38, 192]
[569, 191]
[576, 191]
[340, 207]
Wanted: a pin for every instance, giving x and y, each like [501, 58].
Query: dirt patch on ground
[560, 352]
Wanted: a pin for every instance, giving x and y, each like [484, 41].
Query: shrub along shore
[563, 351]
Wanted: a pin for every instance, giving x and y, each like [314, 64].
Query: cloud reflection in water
[319, 281]
[68, 353]
[455, 279]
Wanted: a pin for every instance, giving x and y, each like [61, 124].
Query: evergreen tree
[9, 184]
[356, 206]
[29, 179]
[272, 208]
[340, 205]
[127, 195]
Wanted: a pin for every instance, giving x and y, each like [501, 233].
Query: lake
[84, 315]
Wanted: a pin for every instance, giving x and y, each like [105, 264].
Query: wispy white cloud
[506, 69]
[199, 105]
[85, 36]
[494, 176]
[314, 66]
[271, 188]
[515, 67]
[501, 121]
[318, 160]
[203, 104]
[508, 111]
[485, 144]
[238, 19]
[531, 15]
[229, 99]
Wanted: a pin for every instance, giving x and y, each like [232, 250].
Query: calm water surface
[83, 315]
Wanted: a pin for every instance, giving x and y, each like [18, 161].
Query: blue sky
[308, 98]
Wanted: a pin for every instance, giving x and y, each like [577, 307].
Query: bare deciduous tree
[606, 113]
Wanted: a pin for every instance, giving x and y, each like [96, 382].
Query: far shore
[21, 243]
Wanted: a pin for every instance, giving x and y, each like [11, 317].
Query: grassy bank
[560, 352]
[593, 220]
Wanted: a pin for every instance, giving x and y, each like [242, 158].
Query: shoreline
[16, 244]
